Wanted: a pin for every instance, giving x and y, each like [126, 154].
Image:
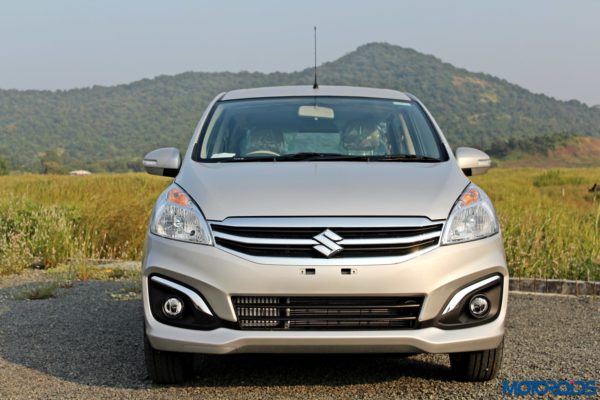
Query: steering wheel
[269, 152]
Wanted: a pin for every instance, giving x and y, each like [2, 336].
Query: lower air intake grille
[326, 313]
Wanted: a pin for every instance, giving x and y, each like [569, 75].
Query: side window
[210, 136]
[423, 141]
[217, 139]
[404, 137]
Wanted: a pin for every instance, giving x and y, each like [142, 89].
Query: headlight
[177, 217]
[472, 217]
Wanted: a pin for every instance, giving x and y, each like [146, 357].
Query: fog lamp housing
[479, 306]
[173, 307]
[174, 303]
[474, 304]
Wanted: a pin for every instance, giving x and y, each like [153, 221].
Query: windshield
[318, 128]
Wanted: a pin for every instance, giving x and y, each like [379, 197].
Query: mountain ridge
[111, 127]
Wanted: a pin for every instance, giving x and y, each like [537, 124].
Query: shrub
[30, 232]
[555, 178]
[40, 291]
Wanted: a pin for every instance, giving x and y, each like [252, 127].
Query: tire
[477, 365]
[166, 367]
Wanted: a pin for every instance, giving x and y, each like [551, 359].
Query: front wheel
[166, 366]
[477, 365]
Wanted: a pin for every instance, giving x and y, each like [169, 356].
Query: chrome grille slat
[342, 222]
[388, 240]
[258, 240]
[312, 242]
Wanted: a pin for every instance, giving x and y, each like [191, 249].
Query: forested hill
[112, 127]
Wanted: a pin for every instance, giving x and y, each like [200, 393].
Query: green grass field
[550, 222]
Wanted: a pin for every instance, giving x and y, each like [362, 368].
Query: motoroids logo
[548, 387]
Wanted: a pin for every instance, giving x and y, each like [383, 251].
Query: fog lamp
[172, 307]
[479, 306]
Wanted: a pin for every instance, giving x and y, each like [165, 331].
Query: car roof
[308, 91]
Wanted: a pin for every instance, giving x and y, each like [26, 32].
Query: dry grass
[50, 219]
[551, 230]
[67, 273]
[550, 222]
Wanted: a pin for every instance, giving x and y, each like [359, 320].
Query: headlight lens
[472, 217]
[177, 217]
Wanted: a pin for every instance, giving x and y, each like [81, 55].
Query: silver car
[328, 220]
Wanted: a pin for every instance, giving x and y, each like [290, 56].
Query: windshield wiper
[245, 159]
[308, 156]
[303, 156]
[312, 156]
[406, 157]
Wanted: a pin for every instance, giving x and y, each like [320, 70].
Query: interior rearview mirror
[472, 161]
[316, 112]
[163, 162]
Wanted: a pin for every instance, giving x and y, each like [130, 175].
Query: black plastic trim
[192, 318]
[460, 317]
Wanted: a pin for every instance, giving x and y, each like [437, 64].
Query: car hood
[254, 189]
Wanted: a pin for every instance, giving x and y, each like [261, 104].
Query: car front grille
[325, 240]
[326, 313]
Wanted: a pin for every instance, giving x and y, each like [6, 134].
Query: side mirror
[163, 162]
[473, 161]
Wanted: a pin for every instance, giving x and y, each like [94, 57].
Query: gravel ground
[87, 343]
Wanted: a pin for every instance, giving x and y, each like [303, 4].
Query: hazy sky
[547, 46]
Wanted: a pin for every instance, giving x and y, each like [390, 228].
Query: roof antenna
[315, 85]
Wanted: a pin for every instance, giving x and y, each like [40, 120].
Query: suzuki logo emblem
[328, 246]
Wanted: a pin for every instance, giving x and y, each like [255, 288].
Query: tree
[52, 162]
[3, 167]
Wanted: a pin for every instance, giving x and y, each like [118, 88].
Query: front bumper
[218, 275]
[223, 340]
